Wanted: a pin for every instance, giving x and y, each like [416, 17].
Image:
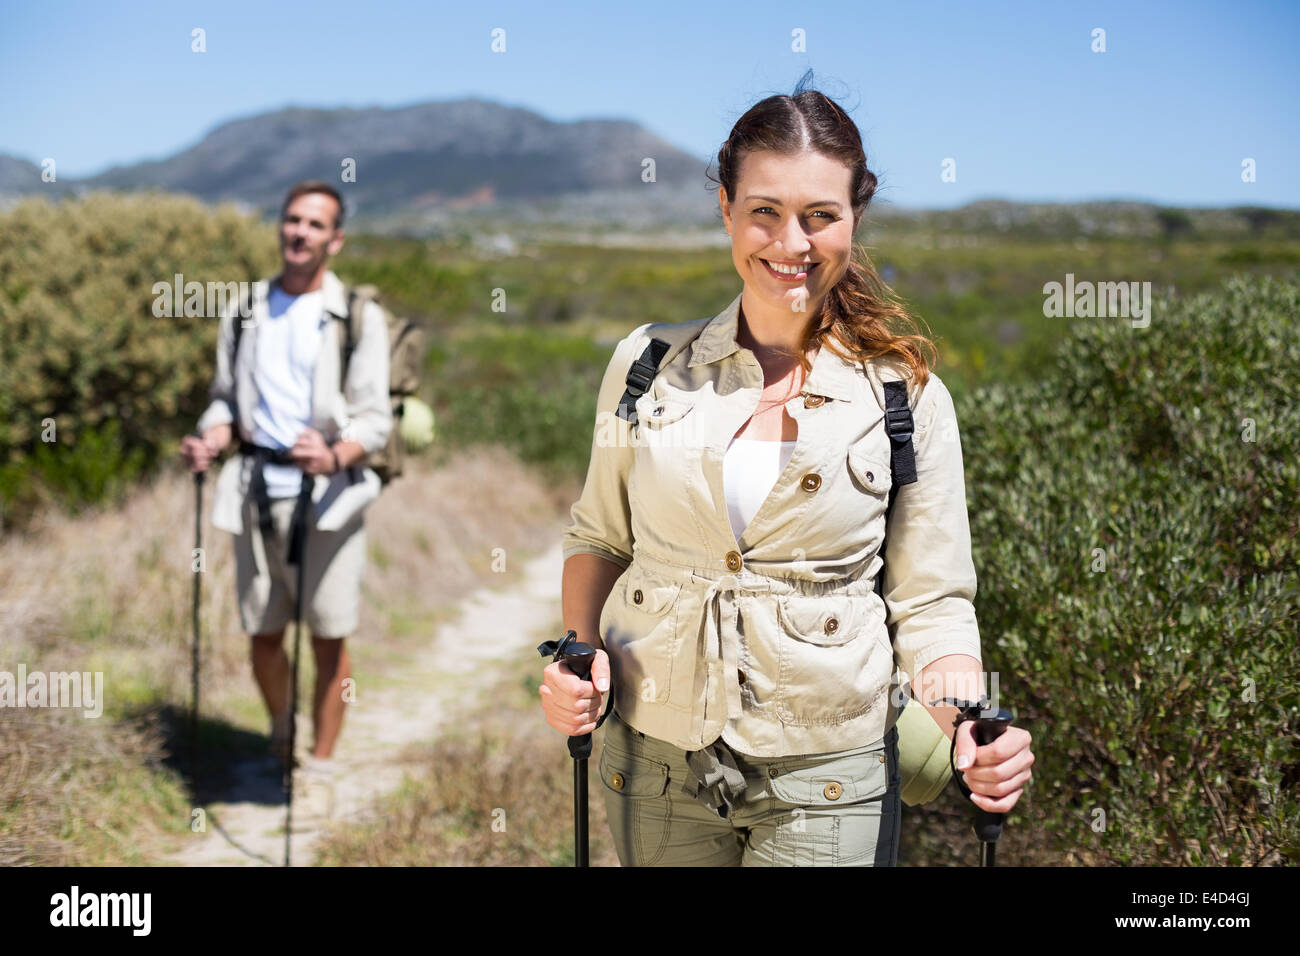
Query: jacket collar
[831, 376]
[334, 296]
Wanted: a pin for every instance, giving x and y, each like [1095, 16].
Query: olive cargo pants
[840, 809]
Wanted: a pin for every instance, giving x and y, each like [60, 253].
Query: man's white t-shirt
[288, 344]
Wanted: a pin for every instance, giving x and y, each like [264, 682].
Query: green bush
[80, 344]
[532, 391]
[1134, 519]
[75, 470]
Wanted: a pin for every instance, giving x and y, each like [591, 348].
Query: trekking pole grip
[988, 825]
[578, 657]
[989, 726]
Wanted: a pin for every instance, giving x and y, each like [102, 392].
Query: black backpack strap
[898, 425]
[639, 376]
[262, 455]
[902, 456]
[236, 332]
[348, 344]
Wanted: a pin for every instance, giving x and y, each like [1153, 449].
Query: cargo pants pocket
[836, 810]
[636, 801]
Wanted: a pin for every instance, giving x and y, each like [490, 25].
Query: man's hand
[311, 454]
[199, 453]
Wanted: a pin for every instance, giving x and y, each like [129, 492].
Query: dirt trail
[414, 697]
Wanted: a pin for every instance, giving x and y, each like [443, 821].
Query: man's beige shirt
[777, 642]
[361, 412]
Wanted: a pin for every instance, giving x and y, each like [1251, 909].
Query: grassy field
[497, 791]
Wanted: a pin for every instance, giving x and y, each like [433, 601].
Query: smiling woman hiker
[725, 551]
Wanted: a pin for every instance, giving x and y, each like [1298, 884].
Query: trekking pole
[194, 650]
[579, 658]
[298, 558]
[989, 727]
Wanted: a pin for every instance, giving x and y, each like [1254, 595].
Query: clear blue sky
[1010, 90]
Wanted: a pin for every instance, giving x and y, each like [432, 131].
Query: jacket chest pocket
[835, 659]
[870, 469]
[870, 476]
[665, 420]
[641, 636]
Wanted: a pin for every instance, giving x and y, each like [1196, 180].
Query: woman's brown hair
[860, 314]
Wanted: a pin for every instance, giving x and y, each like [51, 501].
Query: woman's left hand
[997, 772]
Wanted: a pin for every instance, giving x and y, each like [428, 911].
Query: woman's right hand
[572, 705]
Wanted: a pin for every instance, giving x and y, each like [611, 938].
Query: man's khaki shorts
[840, 809]
[266, 583]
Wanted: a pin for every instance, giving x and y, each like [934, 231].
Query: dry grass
[110, 590]
[497, 793]
[77, 791]
[432, 534]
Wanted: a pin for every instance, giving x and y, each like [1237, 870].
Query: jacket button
[832, 625]
[616, 781]
[833, 791]
[733, 561]
[811, 481]
[871, 476]
[659, 410]
[772, 772]
[813, 401]
[637, 596]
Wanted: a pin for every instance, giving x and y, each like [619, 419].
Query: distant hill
[20, 177]
[999, 218]
[448, 156]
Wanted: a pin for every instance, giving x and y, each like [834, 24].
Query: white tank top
[749, 470]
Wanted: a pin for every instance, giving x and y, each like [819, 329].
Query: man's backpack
[923, 751]
[406, 340]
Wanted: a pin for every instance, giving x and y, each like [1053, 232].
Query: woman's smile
[790, 272]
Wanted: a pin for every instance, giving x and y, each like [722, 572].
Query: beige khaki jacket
[777, 642]
[361, 413]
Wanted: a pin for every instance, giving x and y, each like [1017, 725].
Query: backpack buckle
[898, 423]
[640, 375]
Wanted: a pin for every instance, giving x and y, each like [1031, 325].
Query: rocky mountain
[428, 158]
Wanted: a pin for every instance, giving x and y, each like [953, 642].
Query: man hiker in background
[277, 392]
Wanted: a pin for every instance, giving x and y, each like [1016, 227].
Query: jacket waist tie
[717, 780]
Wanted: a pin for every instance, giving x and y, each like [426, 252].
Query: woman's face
[791, 227]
